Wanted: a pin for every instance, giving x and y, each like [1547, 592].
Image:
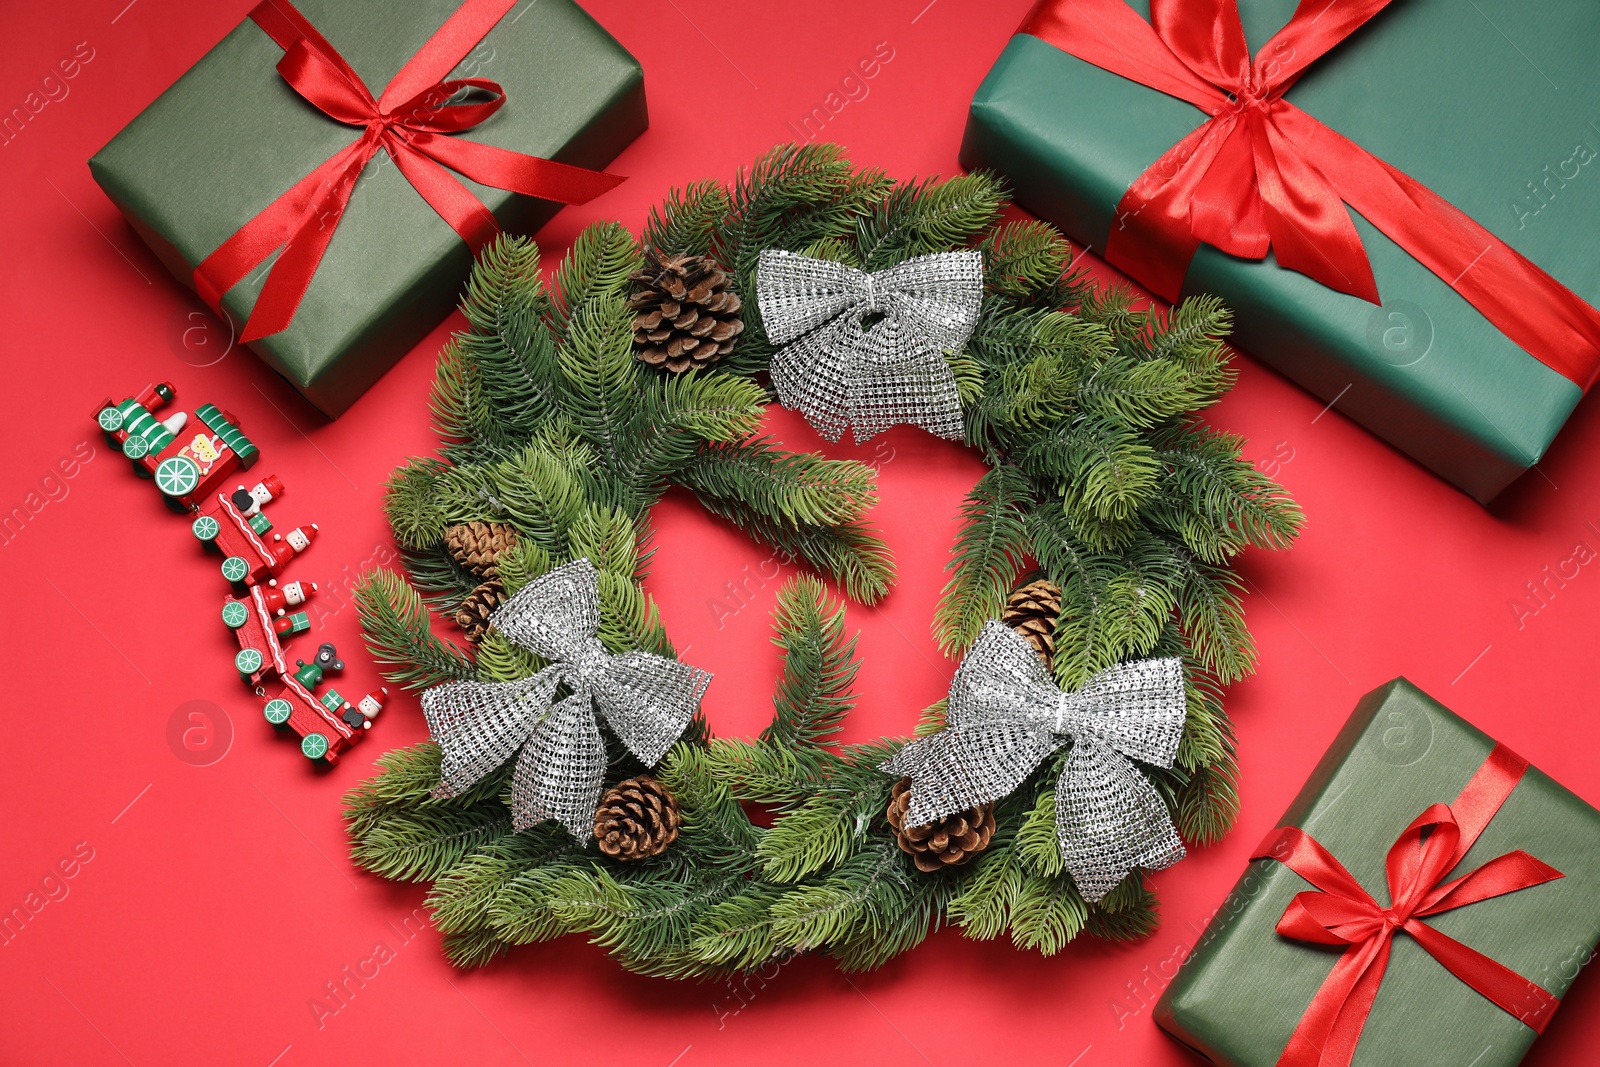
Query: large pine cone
[637, 818]
[473, 614]
[477, 545]
[1032, 611]
[686, 314]
[947, 842]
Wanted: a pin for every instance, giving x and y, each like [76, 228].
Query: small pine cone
[637, 818]
[477, 545]
[1032, 611]
[473, 614]
[685, 314]
[947, 842]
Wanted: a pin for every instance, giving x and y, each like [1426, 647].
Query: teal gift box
[1494, 106]
[231, 135]
[1243, 990]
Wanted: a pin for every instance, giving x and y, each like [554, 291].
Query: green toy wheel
[135, 447]
[248, 661]
[315, 746]
[235, 614]
[177, 475]
[206, 528]
[110, 419]
[278, 711]
[235, 568]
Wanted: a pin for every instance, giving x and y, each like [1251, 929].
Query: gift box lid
[1239, 995]
[231, 135]
[1443, 94]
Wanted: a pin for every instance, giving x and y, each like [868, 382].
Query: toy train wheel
[206, 528]
[278, 711]
[248, 661]
[235, 568]
[110, 419]
[315, 746]
[135, 447]
[235, 614]
[177, 475]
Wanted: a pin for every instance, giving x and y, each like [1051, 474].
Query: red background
[219, 899]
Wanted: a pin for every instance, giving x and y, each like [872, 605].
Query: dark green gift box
[1494, 105]
[230, 136]
[1243, 989]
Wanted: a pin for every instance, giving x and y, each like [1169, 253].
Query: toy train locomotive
[192, 461]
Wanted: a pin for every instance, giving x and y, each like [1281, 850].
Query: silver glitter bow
[1006, 715]
[646, 699]
[839, 373]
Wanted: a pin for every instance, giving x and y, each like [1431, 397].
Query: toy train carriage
[234, 524]
[261, 620]
[186, 461]
[329, 724]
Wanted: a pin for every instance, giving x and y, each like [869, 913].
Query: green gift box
[1244, 988]
[1495, 107]
[231, 135]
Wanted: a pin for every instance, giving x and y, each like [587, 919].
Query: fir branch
[596, 269]
[989, 551]
[685, 223]
[789, 487]
[394, 622]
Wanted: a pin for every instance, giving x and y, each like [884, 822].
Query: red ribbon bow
[1262, 173]
[1343, 913]
[408, 121]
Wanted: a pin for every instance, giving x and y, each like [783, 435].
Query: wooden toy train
[192, 462]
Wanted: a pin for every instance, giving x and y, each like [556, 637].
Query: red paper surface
[218, 905]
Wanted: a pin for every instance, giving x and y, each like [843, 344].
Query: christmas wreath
[572, 786]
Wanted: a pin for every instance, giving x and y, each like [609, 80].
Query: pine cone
[473, 614]
[687, 316]
[947, 842]
[637, 818]
[477, 545]
[1031, 610]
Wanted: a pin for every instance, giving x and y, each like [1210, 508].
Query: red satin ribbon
[1262, 173]
[409, 121]
[1343, 913]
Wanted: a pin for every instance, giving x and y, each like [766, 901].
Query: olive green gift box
[1494, 105]
[1243, 989]
[231, 135]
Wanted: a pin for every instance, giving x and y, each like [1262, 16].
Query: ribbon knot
[1340, 912]
[1260, 174]
[412, 120]
[646, 699]
[841, 370]
[1005, 716]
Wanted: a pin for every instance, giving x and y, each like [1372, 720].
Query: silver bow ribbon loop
[646, 699]
[1006, 716]
[839, 372]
